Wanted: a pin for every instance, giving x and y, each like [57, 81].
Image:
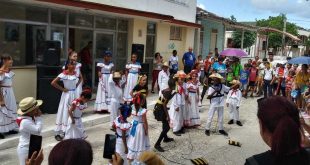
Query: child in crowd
[133, 69]
[216, 96]
[201, 69]
[174, 63]
[138, 139]
[69, 79]
[141, 88]
[116, 85]
[103, 92]
[122, 128]
[229, 76]
[177, 107]
[233, 102]
[289, 83]
[193, 99]
[75, 129]
[244, 79]
[252, 78]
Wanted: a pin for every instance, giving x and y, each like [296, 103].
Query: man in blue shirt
[189, 60]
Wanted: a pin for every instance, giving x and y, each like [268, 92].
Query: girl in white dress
[192, 87]
[122, 128]
[133, 69]
[116, 87]
[75, 129]
[69, 79]
[103, 90]
[138, 139]
[177, 107]
[8, 102]
[73, 58]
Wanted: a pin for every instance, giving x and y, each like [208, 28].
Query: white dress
[76, 131]
[178, 101]
[192, 108]
[103, 91]
[120, 127]
[116, 99]
[66, 99]
[8, 113]
[132, 79]
[138, 141]
[79, 89]
[28, 127]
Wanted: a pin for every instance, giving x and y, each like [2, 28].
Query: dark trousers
[267, 87]
[154, 78]
[204, 90]
[163, 134]
[187, 69]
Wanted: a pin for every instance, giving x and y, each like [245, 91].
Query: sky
[297, 11]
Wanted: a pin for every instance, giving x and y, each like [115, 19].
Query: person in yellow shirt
[301, 81]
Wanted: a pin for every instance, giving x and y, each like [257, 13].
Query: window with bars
[175, 33]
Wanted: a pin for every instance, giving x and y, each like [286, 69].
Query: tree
[249, 37]
[275, 39]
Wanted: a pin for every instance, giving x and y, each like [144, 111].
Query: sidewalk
[90, 119]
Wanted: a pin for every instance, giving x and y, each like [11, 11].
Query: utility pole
[283, 36]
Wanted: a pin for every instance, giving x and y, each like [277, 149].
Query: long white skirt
[138, 143]
[120, 149]
[63, 108]
[176, 118]
[193, 110]
[11, 107]
[114, 110]
[102, 97]
[75, 131]
[79, 88]
[132, 81]
[7, 123]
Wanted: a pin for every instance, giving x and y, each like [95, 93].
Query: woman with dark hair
[71, 152]
[158, 62]
[281, 130]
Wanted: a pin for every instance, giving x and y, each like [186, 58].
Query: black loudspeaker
[49, 53]
[139, 50]
[45, 91]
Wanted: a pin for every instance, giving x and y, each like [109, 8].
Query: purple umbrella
[234, 52]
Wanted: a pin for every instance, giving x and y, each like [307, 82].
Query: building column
[137, 29]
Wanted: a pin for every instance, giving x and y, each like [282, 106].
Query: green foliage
[275, 39]
[249, 39]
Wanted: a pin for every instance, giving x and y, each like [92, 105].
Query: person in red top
[252, 77]
[86, 60]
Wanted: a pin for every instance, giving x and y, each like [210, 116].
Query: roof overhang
[268, 29]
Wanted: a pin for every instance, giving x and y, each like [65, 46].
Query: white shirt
[163, 78]
[234, 97]
[268, 74]
[173, 61]
[28, 127]
[218, 101]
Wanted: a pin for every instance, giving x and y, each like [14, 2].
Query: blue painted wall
[208, 25]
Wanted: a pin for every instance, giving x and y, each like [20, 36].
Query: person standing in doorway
[188, 60]
[87, 62]
[174, 63]
[158, 62]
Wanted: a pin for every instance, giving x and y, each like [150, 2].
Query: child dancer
[75, 129]
[216, 96]
[8, 102]
[122, 127]
[193, 97]
[177, 106]
[233, 102]
[133, 68]
[103, 91]
[141, 88]
[138, 140]
[73, 58]
[69, 79]
[116, 86]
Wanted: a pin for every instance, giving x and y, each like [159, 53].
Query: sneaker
[168, 140]
[239, 123]
[231, 122]
[58, 138]
[1, 136]
[159, 148]
[207, 132]
[223, 132]
[13, 132]
[177, 133]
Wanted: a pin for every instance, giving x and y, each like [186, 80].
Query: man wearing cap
[163, 77]
[30, 123]
[189, 60]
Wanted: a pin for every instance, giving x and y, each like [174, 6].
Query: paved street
[193, 144]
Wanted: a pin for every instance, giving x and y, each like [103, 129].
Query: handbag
[158, 112]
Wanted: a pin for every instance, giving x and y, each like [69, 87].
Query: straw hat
[166, 64]
[194, 71]
[28, 104]
[180, 74]
[234, 82]
[216, 75]
[117, 75]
